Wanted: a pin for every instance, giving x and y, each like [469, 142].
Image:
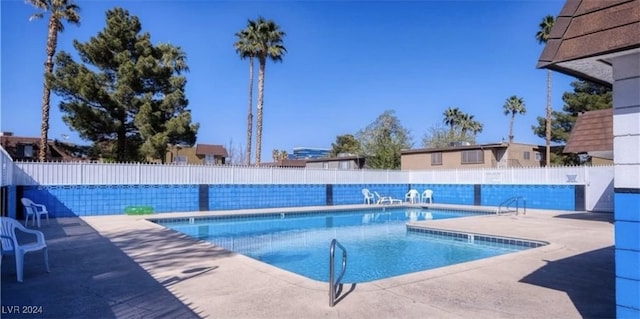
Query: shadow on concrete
[90, 278]
[588, 279]
[340, 295]
[596, 217]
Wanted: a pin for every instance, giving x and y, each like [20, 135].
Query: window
[436, 158]
[209, 159]
[527, 155]
[25, 150]
[472, 157]
[538, 156]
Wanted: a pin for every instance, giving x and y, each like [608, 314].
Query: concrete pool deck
[127, 267]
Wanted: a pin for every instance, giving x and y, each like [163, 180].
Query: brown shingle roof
[209, 149]
[593, 131]
[10, 143]
[454, 148]
[587, 32]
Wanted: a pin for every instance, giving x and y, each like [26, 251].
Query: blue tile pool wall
[89, 200]
[627, 253]
[448, 193]
[233, 196]
[561, 197]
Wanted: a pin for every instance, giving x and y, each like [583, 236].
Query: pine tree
[127, 96]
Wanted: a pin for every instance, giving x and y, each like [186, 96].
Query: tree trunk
[249, 113]
[548, 120]
[513, 115]
[52, 39]
[263, 62]
[121, 145]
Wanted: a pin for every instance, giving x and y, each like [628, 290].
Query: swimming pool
[378, 241]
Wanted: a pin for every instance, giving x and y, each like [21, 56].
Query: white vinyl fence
[6, 168]
[82, 173]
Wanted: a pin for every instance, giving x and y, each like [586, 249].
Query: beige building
[205, 154]
[473, 156]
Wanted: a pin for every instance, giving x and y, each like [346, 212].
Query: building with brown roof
[600, 41]
[22, 148]
[473, 156]
[204, 154]
[592, 134]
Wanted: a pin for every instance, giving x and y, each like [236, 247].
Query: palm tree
[452, 117]
[58, 11]
[268, 46]
[245, 46]
[514, 105]
[542, 36]
[468, 124]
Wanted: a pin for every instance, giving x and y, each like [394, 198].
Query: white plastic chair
[427, 195]
[10, 246]
[33, 210]
[388, 199]
[413, 196]
[368, 197]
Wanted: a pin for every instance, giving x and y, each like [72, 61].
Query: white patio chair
[33, 210]
[10, 246]
[386, 199]
[368, 197]
[427, 195]
[413, 196]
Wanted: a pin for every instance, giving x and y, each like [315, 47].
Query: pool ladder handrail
[334, 283]
[511, 200]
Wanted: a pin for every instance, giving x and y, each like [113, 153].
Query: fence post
[587, 179]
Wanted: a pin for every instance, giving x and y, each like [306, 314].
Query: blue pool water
[377, 241]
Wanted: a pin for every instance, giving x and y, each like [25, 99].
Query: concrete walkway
[127, 267]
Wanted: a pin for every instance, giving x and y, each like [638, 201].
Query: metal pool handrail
[515, 199]
[334, 284]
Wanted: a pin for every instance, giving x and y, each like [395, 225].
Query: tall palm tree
[514, 105]
[452, 117]
[59, 11]
[542, 36]
[245, 46]
[269, 45]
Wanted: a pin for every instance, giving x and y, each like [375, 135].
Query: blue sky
[347, 62]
